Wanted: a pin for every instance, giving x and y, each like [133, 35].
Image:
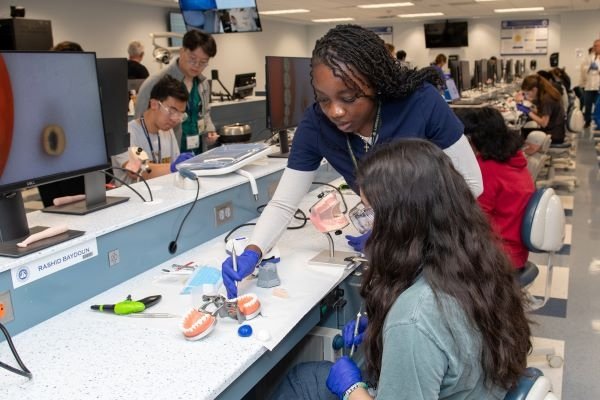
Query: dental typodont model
[198, 323]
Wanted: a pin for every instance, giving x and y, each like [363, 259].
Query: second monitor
[243, 85]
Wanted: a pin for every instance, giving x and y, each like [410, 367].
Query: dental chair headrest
[543, 228]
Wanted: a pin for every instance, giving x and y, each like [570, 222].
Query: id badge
[192, 142]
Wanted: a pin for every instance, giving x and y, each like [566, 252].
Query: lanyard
[374, 137]
[155, 157]
[194, 105]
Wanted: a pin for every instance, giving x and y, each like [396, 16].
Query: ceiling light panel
[280, 12]
[516, 10]
[386, 5]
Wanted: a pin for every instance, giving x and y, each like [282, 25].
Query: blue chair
[543, 231]
[532, 385]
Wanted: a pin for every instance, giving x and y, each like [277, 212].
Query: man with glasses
[153, 131]
[197, 131]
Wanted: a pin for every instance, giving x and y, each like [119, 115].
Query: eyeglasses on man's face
[195, 61]
[173, 113]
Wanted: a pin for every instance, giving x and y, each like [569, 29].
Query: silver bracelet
[352, 388]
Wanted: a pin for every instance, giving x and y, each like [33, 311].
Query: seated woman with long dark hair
[446, 316]
[507, 183]
[548, 112]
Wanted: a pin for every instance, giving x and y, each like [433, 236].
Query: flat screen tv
[221, 16]
[176, 25]
[446, 34]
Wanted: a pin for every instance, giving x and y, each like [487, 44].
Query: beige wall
[107, 26]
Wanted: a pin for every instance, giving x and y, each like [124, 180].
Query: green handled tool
[128, 306]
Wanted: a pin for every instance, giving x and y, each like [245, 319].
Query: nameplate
[48, 265]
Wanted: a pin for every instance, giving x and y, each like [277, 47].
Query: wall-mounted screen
[446, 34]
[221, 16]
[177, 25]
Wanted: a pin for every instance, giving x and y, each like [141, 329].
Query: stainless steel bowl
[235, 133]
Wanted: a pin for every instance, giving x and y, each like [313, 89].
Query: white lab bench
[80, 353]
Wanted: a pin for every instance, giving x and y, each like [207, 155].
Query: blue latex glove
[181, 158]
[524, 109]
[246, 263]
[348, 333]
[343, 374]
[358, 242]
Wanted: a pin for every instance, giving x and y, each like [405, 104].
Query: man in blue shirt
[364, 98]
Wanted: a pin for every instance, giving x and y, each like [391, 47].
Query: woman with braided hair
[364, 98]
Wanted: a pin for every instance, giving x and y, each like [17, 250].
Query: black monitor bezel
[225, 31]
[244, 78]
[267, 86]
[34, 182]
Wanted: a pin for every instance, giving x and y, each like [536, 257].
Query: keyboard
[467, 102]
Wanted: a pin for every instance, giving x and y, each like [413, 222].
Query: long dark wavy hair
[363, 52]
[430, 222]
[490, 136]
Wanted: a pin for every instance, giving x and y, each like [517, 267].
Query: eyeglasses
[362, 217]
[194, 62]
[174, 114]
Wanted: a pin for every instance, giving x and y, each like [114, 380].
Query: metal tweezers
[153, 315]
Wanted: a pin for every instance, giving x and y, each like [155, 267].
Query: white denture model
[198, 323]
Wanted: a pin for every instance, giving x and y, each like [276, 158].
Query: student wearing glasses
[153, 131]
[197, 132]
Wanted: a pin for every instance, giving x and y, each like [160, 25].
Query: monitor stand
[95, 197]
[14, 228]
[283, 145]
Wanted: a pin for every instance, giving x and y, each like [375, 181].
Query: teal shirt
[431, 352]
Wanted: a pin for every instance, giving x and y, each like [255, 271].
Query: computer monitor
[221, 16]
[451, 91]
[114, 85]
[454, 66]
[491, 70]
[508, 71]
[465, 75]
[289, 93]
[51, 129]
[477, 73]
[500, 70]
[243, 85]
[484, 71]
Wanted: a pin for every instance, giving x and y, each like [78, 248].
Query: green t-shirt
[431, 352]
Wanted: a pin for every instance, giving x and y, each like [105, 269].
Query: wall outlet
[223, 213]
[6, 308]
[114, 257]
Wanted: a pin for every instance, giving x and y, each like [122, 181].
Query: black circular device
[173, 247]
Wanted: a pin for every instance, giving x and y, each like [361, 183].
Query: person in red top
[507, 184]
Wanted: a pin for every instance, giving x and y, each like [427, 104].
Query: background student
[197, 132]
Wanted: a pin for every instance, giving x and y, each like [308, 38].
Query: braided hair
[354, 54]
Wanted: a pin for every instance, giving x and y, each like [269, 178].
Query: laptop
[451, 92]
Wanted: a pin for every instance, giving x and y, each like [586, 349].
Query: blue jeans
[306, 381]
[589, 99]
